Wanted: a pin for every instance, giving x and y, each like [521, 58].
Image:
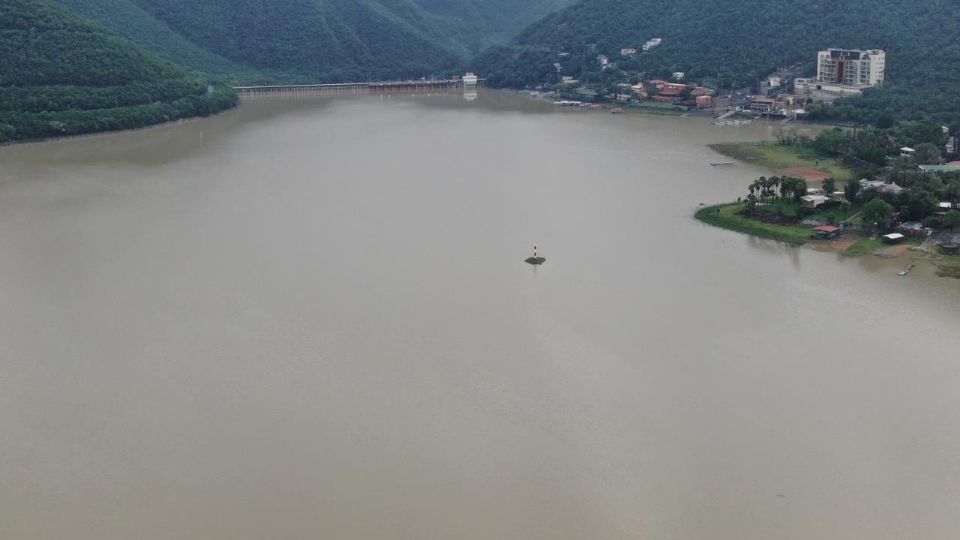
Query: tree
[885, 121]
[926, 153]
[829, 186]
[851, 190]
[916, 204]
[951, 220]
[831, 142]
[877, 213]
[845, 206]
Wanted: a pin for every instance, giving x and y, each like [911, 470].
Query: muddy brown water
[312, 319]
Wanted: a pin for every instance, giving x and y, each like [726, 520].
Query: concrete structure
[422, 85]
[846, 71]
[628, 51]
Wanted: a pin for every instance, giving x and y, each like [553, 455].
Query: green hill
[316, 40]
[61, 75]
[129, 19]
[739, 42]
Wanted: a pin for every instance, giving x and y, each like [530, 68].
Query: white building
[846, 71]
[679, 75]
[651, 43]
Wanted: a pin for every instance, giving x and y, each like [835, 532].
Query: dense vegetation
[316, 40]
[61, 75]
[130, 19]
[739, 42]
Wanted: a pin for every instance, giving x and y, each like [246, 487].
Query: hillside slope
[739, 42]
[61, 75]
[316, 40]
[131, 20]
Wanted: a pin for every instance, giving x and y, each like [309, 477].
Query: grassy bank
[865, 246]
[729, 216]
[777, 156]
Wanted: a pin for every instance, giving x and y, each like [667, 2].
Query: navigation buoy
[536, 259]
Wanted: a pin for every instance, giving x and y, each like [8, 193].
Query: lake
[310, 318]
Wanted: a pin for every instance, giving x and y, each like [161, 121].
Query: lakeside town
[783, 93]
[890, 189]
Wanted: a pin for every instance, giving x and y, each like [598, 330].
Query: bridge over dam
[386, 87]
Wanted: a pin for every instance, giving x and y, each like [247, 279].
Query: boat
[470, 79]
[722, 164]
[906, 270]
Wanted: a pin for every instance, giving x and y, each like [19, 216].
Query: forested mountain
[316, 40]
[739, 42]
[130, 19]
[62, 75]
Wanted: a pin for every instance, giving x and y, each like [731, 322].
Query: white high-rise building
[851, 67]
[846, 71]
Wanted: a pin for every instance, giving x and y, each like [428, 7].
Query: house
[943, 207]
[763, 105]
[701, 91]
[704, 102]
[678, 75]
[906, 151]
[891, 188]
[628, 51]
[951, 146]
[567, 79]
[651, 43]
[912, 228]
[953, 166]
[604, 61]
[893, 238]
[950, 248]
[640, 90]
[826, 232]
[813, 201]
[880, 186]
[670, 91]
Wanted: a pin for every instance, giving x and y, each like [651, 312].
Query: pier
[385, 87]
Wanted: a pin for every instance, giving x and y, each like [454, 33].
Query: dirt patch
[841, 244]
[807, 173]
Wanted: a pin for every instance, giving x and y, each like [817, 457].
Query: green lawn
[777, 156]
[865, 246]
[827, 213]
[729, 217]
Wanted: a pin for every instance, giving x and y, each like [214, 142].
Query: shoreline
[853, 244]
[117, 132]
[850, 243]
